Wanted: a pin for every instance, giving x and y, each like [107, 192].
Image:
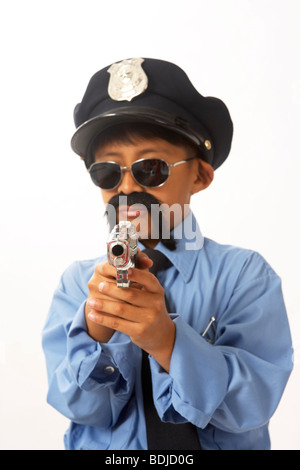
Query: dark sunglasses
[148, 172]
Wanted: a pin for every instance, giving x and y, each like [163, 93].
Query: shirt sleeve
[236, 383]
[89, 382]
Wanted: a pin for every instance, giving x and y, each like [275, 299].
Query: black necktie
[160, 435]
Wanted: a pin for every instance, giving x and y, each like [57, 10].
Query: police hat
[157, 92]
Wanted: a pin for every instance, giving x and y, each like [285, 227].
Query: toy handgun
[122, 248]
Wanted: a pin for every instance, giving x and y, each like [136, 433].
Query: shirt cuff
[96, 365]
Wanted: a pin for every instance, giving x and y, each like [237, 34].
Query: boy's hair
[130, 133]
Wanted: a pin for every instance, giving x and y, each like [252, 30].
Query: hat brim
[89, 130]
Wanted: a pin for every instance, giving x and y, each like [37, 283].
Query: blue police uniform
[228, 382]
[232, 355]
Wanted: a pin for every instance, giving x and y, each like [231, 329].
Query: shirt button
[108, 370]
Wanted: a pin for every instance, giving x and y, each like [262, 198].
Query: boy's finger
[143, 261]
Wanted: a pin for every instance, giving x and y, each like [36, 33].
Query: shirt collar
[189, 241]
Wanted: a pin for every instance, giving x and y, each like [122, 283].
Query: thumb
[143, 261]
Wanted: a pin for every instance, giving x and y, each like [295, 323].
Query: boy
[210, 323]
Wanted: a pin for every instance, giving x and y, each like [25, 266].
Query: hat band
[179, 123]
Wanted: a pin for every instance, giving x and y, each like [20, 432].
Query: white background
[244, 51]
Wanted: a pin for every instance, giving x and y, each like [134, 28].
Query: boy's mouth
[132, 212]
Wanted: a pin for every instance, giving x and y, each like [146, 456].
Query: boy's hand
[105, 272]
[138, 311]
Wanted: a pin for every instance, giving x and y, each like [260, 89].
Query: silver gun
[122, 248]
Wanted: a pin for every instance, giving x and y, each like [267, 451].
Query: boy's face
[184, 180]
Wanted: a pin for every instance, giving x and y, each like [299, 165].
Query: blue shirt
[227, 383]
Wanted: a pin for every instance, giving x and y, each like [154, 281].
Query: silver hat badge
[127, 80]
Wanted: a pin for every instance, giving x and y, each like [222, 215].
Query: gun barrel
[122, 247]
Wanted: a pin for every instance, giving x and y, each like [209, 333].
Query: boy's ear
[204, 177]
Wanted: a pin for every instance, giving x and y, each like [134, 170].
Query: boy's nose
[128, 184]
